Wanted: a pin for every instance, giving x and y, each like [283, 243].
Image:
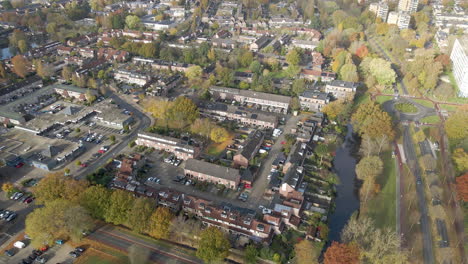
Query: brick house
[249, 149]
[174, 145]
[205, 171]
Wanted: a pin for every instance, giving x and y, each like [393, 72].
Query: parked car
[84, 165]
[19, 165]
[79, 249]
[29, 200]
[11, 217]
[10, 252]
[74, 254]
[19, 244]
[19, 195]
[41, 259]
[59, 242]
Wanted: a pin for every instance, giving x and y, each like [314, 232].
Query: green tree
[160, 223]
[349, 73]
[56, 186]
[251, 253]
[213, 245]
[460, 158]
[59, 219]
[321, 150]
[256, 67]
[66, 73]
[139, 215]
[194, 75]
[223, 74]
[3, 72]
[96, 199]
[132, 21]
[298, 86]
[293, 57]
[112, 138]
[219, 134]
[22, 46]
[120, 205]
[245, 58]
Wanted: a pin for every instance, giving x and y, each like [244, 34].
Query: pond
[347, 201]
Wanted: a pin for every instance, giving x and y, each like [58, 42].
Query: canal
[346, 201]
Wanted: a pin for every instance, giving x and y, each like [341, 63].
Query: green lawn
[406, 107]
[448, 107]
[382, 208]
[361, 99]
[278, 74]
[431, 119]
[425, 103]
[383, 98]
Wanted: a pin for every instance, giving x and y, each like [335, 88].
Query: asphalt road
[143, 123]
[115, 238]
[411, 157]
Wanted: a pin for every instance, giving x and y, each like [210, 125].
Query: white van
[19, 244]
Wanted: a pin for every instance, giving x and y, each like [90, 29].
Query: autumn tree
[337, 110]
[367, 171]
[56, 186]
[349, 73]
[44, 70]
[3, 72]
[194, 74]
[132, 21]
[8, 187]
[305, 252]
[339, 253]
[120, 205]
[160, 223]
[139, 215]
[428, 162]
[213, 245]
[456, 125]
[245, 58]
[183, 112]
[378, 246]
[202, 127]
[371, 120]
[20, 65]
[66, 73]
[462, 187]
[96, 199]
[379, 69]
[460, 158]
[58, 219]
[219, 134]
[158, 108]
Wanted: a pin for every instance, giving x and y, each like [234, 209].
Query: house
[315, 75]
[73, 91]
[224, 43]
[170, 199]
[205, 171]
[132, 77]
[243, 76]
[249, 149]
[62, 50]
[341, 89]
[181, 149]
[242, 115]
[305, 44]
[268, 102]
[113, 54]
[86, 52]
[150, 22]
[313, 100]
[260, 43]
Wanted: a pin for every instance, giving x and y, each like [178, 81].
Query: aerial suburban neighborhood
[234, 131]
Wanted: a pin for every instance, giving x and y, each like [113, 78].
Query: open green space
[361, 99]
[431, 119]
[215, 149]
[382, 209]
[406, 108]
[383, 98]
[425, 103]
[447, 107]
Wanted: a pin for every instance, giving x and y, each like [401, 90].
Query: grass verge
[433, 119]
[382, 209]
[383, 98]
[425, 103]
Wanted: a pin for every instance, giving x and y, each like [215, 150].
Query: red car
[247, 186]
[19, 165]
[84, 165]
[29, 200]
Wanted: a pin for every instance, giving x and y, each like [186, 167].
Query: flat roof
[253, 94]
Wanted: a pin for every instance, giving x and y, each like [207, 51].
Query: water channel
[346, 202]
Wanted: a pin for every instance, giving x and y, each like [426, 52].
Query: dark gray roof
[250, 145]
[50, 151]
[71, 110]
[315, 94]
[212, 170]
[345, 84]
[252, 94]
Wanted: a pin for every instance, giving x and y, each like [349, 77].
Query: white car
[19, 244]
[266, 211]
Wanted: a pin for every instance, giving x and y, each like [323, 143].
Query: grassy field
[102, 256]
[431, 119]
[424, 103]
[383, 98]
[448, 107]
[383, 207]
[361, 99]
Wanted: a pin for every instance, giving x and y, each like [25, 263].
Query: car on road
[11, 217]
[418, 180]
[19, 165]
[10, 252]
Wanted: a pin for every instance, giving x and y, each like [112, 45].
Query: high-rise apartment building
[459, 57]
[410, 6]
[380, 10]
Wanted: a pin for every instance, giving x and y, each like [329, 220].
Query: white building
[401, 19]
[379, 9]
[410, 6]
[131, 77]
[459, 59]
